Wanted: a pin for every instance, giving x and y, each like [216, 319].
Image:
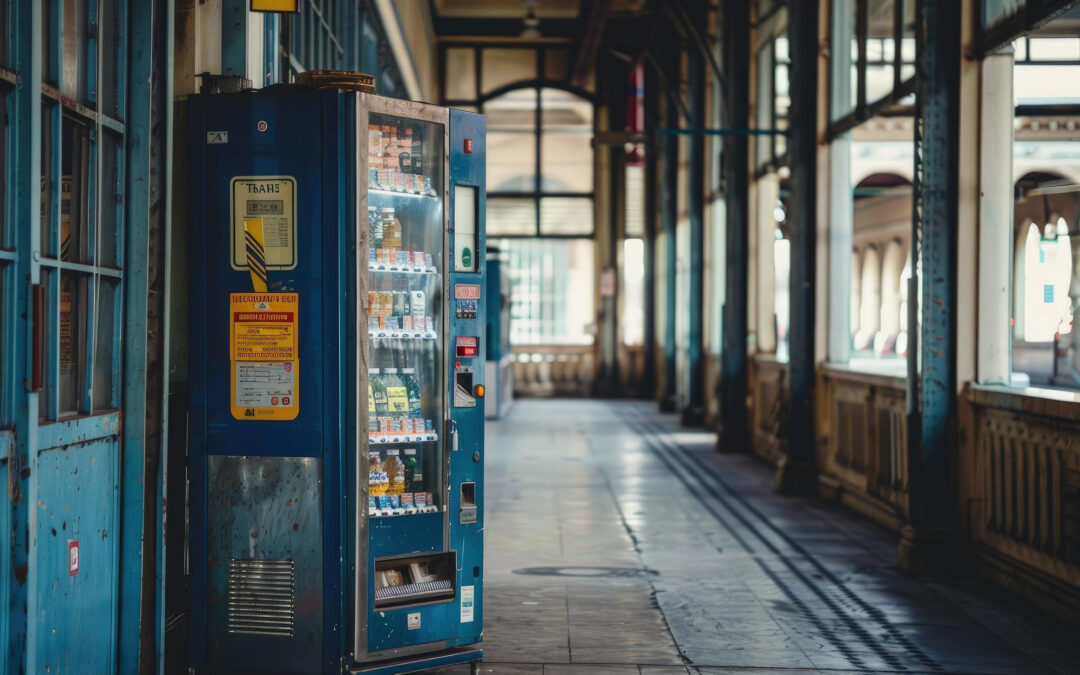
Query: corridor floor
[618, 542]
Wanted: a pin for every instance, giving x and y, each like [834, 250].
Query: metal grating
[262, 597]
[406, 590]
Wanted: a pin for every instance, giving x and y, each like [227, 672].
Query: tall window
[1045, 293]
[539, 181]
[81, 221]
[872, 45]
[540, 184]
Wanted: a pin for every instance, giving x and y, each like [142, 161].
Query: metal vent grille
[262, 597]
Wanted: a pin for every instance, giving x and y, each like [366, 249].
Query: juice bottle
[394, 469]
[375, 227]
[414, 471]
[397, 394]
[378, 403]
[412, 388]
[391, 229]
[377, 480]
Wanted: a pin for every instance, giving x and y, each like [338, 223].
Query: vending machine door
[405, 571]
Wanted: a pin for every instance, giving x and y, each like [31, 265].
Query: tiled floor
[618, 542]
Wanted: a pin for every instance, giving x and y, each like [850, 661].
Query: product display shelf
[402, 335]
[391, 439]
[400, 269]
[375, 191]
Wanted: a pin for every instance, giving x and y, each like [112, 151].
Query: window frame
[1031, 15]
[774, 27]
[539, 82]
[889, 103]
[60, 112]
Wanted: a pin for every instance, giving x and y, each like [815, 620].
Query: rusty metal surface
[263, 509]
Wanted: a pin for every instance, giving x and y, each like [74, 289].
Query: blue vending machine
[337, 358]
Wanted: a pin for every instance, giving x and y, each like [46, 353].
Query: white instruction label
[272, 200]
[264, 384]
[467, 602]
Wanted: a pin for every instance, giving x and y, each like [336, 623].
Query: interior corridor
[618, 542]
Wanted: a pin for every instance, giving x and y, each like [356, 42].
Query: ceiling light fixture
[531, 22]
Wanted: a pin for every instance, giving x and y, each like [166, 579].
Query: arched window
[1044, 275]
[540, 163]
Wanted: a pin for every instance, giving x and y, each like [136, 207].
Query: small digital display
[265, 207]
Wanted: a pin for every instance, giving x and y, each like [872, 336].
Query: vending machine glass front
[403, 561]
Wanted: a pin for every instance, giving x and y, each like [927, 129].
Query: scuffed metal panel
[268, 509]
[75, 502]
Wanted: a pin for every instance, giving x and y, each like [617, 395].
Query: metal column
[652, 96]
[694, 412]
[668, 207]
[932, 361]
[736, 35]
[797, 471]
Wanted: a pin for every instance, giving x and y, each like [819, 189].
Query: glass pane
[845, 58]
[551, 291]
[566, 215]
[110, 49]
[996, 11]
[106, 332]
[46, 400]
[511, 142]
[782, 295]
[1054, 49]
[72, 334]
[508, 215]
[74, 242]
[506, 66]
[566, 157]
[907, 44]
[880, 48]
[633, 289]
[763, 112]
[1046, 85]
[48, 218]
[461, 74]
[73, 38]
[782, 103]
[635, 201]
[404, 309]
[108, 227]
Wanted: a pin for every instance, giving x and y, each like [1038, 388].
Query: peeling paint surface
[76, 500]
[253, 502]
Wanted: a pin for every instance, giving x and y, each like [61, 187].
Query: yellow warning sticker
[263, 326]
[265, 390]
[271, 200]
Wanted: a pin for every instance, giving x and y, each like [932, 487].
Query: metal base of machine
[417, 663]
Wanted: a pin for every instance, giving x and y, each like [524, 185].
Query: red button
[468, 146]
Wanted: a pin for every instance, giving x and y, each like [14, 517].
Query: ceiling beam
[451, 26]
[592, 16]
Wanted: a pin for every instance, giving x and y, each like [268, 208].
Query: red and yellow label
[264, 355]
